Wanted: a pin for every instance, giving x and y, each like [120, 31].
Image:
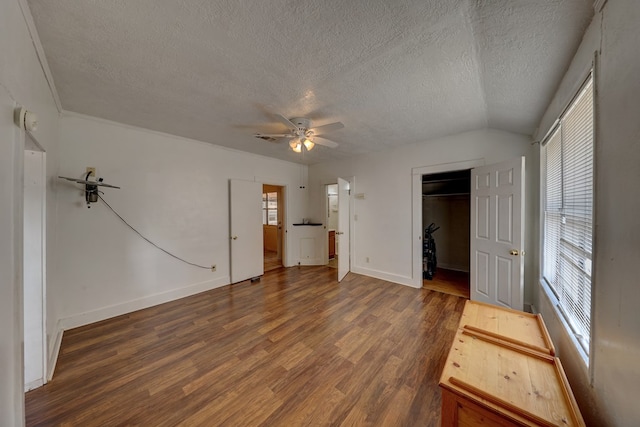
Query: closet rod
[429, 181]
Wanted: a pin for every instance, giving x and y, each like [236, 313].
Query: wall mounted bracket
[90, 187]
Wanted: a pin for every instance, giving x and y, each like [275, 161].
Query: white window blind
[568, 213]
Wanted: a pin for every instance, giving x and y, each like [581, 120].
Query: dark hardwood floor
[294, 349]
[450, 282]
[271, 261]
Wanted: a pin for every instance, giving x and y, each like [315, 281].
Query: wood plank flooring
[450, 282]
[271, 261]
[294, 349]
[333, 262]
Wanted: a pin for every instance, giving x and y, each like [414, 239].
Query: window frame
[266, 209]
[586, 352]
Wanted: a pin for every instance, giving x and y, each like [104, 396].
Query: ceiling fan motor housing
[303, 125]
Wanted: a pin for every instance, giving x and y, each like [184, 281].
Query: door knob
[339, 232]
[514, 252]
[235, 237]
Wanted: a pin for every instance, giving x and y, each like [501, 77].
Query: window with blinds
[270, 208]
[567, 163]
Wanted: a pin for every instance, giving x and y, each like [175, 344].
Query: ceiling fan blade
[321, 130]
[86, 182]
[324, 141]
[273, 135]
[288, 123]
[279, 140]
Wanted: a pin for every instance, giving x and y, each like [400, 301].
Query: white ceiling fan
[302, 134]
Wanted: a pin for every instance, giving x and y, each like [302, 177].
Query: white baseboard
[55, 351]
[383, 275]
[103, 313]
[453, 267]
[33, 385]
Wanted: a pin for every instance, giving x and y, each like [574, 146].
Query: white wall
[611, 398]
[174, 191]
[383, 230]
[21, 82]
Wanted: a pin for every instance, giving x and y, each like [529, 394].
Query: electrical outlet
[367, 259]
[213, 268]
[92, 170]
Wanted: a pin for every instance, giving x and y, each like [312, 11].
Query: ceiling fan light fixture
[309, 144]
[296, 145]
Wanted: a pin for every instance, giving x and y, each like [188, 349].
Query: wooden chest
[502, 371]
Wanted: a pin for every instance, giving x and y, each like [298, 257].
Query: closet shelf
[445, 194]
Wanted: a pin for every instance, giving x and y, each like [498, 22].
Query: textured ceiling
[394, 72]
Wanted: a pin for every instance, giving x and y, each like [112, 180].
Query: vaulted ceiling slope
[394, 72]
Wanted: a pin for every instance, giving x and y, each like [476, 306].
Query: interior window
[270, 208]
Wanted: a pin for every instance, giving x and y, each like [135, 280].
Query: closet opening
[446, 203]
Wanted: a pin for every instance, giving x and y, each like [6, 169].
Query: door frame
[285, 209]
[281, 233]
[41, 259]
[416, 208]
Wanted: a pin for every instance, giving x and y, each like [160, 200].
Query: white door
[497, 234]
[34, 269]
[245, 222]
[342, 234]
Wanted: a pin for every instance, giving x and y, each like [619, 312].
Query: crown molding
[598, 5]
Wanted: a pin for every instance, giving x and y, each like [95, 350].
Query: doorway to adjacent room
[272, 219]
[332, 224]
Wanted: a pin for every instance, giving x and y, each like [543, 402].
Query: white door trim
[30, 292]
[416, 208]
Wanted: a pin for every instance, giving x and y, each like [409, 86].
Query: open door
[497, 234]
[343, 234]
[245, 223]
